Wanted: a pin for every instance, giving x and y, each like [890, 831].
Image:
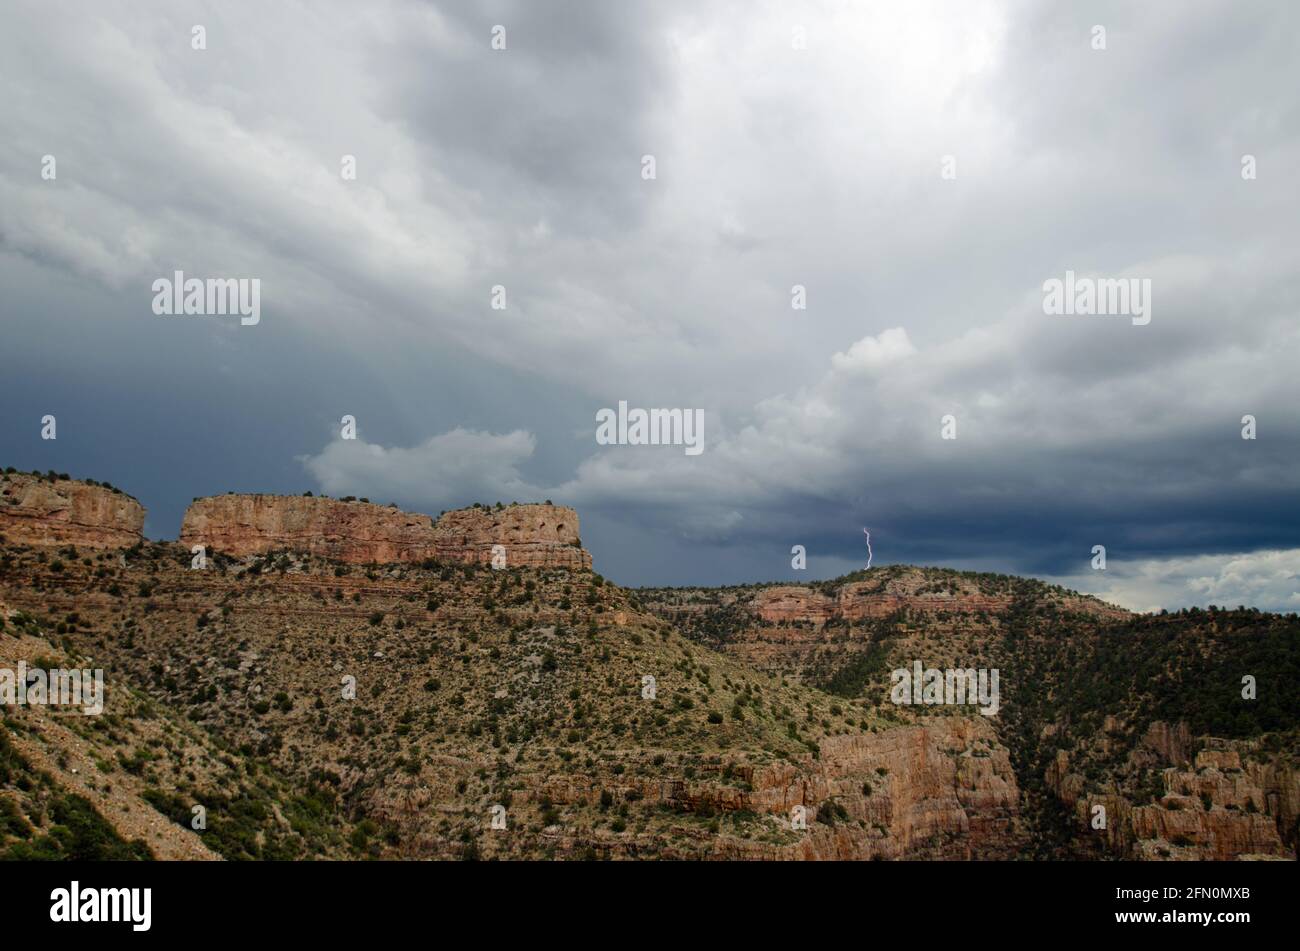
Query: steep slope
[1083, 686]
[523, 689]
[137, 771]
[73, 786]
[337, 679]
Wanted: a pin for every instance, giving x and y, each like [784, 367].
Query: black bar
[949, 901]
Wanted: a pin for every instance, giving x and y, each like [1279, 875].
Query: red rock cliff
[911, 590]
[35, 511]
[940, 790]
[360, 532]
[1223, 804]
[536, 535]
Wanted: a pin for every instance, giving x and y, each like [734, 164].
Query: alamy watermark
[1099, 296]
[651, 427]
[75, 904]
[214, 297]
[35, 686]
[930, 685]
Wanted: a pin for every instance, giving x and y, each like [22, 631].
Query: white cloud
[873, 353]
[1264, 579]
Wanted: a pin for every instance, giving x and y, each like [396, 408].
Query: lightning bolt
[868, 534]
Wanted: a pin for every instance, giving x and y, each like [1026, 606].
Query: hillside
[1089, 696]
[320, 704]
[523, 688]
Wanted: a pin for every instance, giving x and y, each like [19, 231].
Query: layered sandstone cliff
[362, 533]
[242, 525]
[37, 511]
[1216, 805]
[911, 590]
[534, 535]
[943, 790]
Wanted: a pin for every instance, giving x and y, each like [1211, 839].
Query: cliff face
[361, 533]
[1220, 805]
[34, 511]
[911, 589]
[358, 532]
[944, 790]
[540, 536]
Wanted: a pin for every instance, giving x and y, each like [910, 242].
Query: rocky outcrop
[1164, 743]
[942, 790]
[358, 532]
[1213, 811]
[911, 590]
[1215, 806]
[787, 603]
[543, 536]
[363, 533]
[37, 511]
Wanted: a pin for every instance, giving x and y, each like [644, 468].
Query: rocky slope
[55, 510]
[347, 680]
[410, 701]
[812, 631]
[1225, 801]
[894, 590]
[69, 784]
[1092, 702]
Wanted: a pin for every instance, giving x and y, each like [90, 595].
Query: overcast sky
[793, 144]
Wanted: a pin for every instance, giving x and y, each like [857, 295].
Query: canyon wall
[361, 532]
[942, 790]
[860, 600]
[1220, 804]
[37, 511]
[544, 536]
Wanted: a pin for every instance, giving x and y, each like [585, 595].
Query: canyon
[482, 690]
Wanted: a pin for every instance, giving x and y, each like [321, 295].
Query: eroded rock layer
[1220, 804]
[911, 590]
[39, 511]
[945, 790]
[364, 533]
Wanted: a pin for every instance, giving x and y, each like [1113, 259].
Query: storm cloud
[918, 173]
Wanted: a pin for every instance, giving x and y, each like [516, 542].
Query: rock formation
[1217, 806]
[37, 511]
[943, 790]
[538, 536]
[910, 589]
[362, 533]
[767, 732]
[359, 532]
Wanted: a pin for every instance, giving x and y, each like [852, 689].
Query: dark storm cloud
[776, 167]
[553, 126]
